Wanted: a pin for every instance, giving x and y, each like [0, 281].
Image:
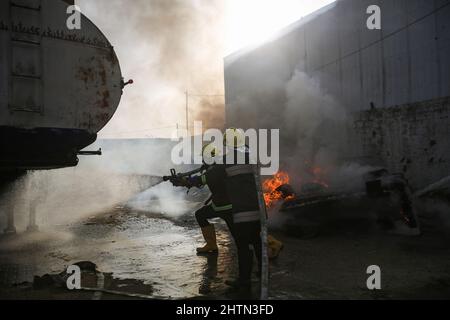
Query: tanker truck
[59, 86]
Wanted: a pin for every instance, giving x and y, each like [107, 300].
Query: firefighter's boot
[274, 247]
[209, 233]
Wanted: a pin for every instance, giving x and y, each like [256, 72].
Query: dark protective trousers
[207, 212]
[247, 237]
[248, 242]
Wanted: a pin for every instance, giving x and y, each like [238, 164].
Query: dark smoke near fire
[167, 47]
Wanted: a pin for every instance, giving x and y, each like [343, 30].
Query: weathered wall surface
[53, 77]
[413, 139]
[405, 63]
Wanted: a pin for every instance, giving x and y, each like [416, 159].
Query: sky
[251, 21]
[169, 47]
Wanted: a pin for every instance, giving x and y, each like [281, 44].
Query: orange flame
[270, 186]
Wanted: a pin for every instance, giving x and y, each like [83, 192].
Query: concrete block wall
[413, 139]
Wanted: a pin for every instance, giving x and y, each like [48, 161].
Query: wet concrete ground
[132, 245]
[329, 260]
[145, 255]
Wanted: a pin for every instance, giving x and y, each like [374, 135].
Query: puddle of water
[131, 246]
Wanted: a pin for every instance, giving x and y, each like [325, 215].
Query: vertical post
[32, 226]
[7, 180]
[187, 112]
[10, 228]
[264, 256]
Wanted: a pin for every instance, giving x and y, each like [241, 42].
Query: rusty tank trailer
[58, 87]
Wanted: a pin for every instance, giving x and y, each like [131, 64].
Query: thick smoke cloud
[313, 119]
[313, 123]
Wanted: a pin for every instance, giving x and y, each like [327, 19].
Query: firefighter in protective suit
[218, 206]
[241, 185]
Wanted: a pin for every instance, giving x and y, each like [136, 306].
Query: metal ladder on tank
[26, 56]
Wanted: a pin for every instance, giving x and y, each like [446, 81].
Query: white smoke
[166, 200]
[96, 185]
[167, 47]
[312, 120]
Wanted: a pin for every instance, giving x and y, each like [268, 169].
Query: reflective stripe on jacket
[242, 190]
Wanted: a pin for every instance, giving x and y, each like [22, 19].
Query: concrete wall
[406, 62]
[413, 139]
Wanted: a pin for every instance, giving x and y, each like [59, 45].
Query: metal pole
[10, 227]
[264, 256]
[32, 226]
